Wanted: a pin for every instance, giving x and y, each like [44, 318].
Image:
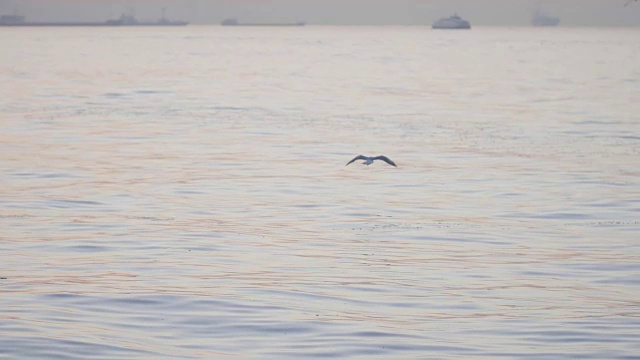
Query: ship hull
[445, 27]
[545, 22]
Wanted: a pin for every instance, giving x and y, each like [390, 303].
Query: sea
[182, 193]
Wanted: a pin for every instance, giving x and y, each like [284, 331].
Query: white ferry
[452, 22]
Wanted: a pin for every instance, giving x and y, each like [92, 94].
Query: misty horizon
[334, 12]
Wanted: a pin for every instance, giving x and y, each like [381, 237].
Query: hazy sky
[374, 12]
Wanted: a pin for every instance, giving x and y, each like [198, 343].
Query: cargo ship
[124, 20]
[235, 22]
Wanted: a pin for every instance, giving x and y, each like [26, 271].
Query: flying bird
[368, 160]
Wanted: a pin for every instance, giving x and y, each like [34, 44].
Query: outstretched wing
[385, 159]
[359, 157]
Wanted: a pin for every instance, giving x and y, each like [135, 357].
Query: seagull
[368, 160]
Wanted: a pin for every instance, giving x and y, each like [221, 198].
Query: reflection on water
[182, 193]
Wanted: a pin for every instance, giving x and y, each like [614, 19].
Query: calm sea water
[182, 193]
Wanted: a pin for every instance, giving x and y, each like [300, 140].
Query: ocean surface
[181, 193]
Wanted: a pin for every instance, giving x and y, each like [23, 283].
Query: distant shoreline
[124, 20]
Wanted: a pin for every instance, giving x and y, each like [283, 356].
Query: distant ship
[124, 20]
[452, 22]
[542, 19]
[235, 22]
[129, 20]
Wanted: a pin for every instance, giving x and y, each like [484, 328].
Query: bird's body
[368, 160]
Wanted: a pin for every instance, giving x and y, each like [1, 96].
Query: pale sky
[359, 12]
